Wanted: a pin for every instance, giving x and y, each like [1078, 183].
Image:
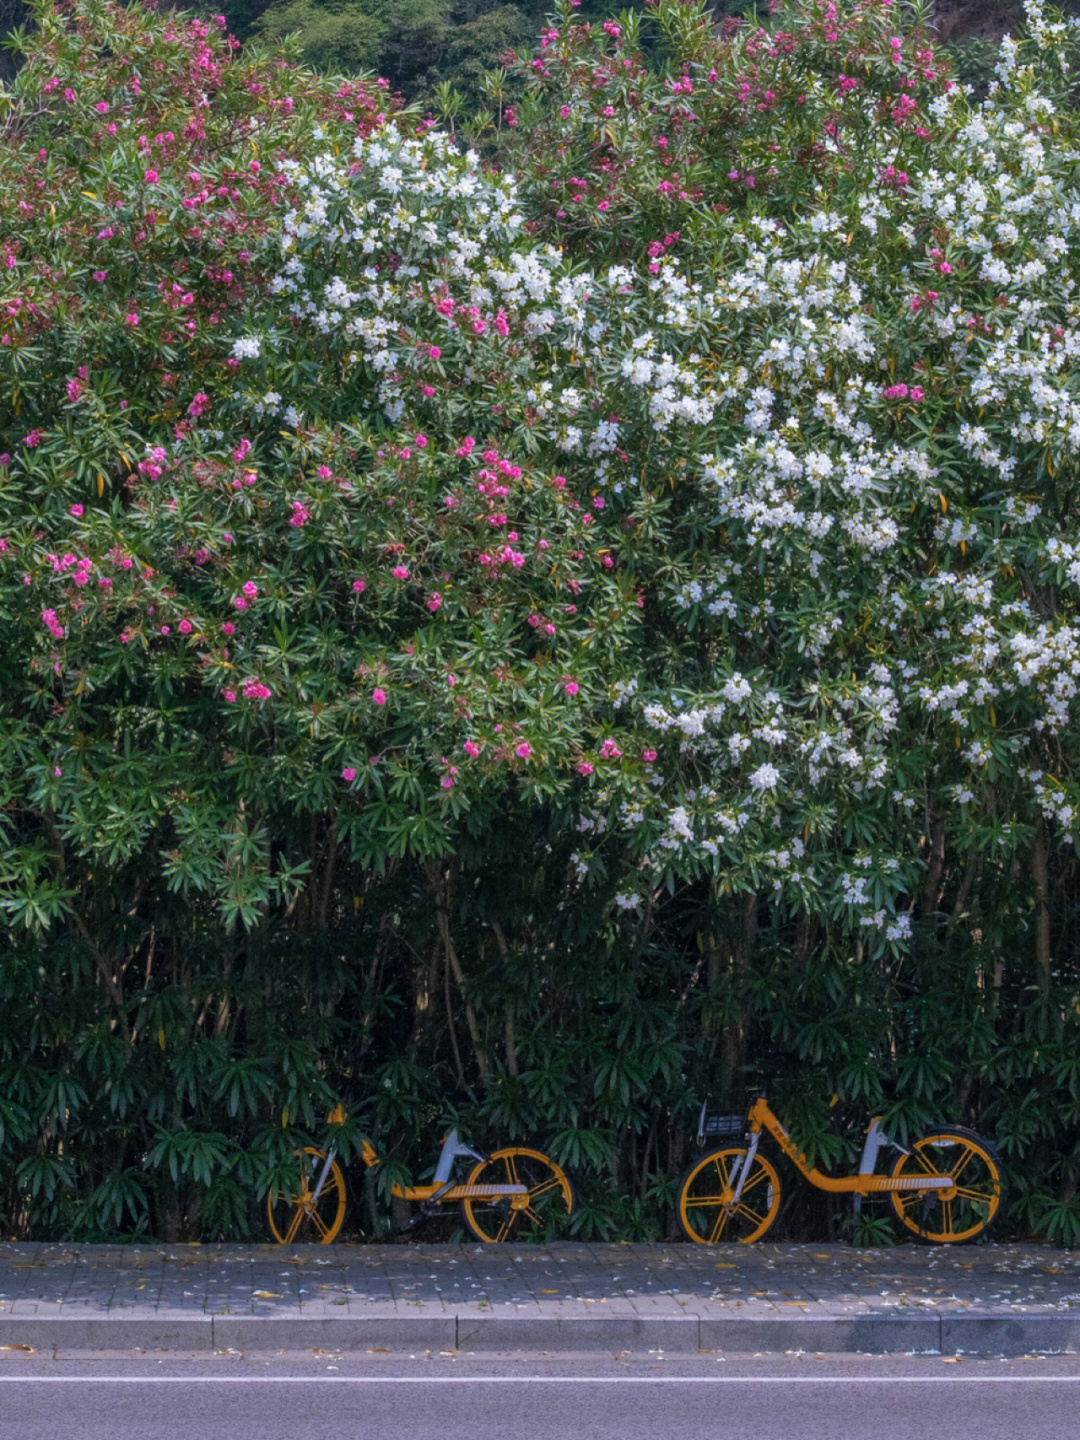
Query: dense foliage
[568, 634]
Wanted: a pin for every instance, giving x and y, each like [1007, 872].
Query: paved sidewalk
[1003, 1299]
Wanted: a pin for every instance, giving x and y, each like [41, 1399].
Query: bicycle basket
[714, 1126]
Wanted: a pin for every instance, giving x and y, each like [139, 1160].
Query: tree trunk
[1039, 874]
[442, 882]
[935, 868]
[734, 1039]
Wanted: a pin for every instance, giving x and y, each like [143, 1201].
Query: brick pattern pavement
[579, 1296]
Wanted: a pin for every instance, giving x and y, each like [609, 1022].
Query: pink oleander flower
[77, 511]
[648, 756]
[348, 774]
[185, 627]
[609, 750]
[893, 178]
[434, 602]
[584, 768]
[52, 624]
[471, 749]
[250, 589]
[421, 440]
[229, 696]
[523, 751]
[256, 690]
[434, 352]
[228, 628]
[378, 697]
[151, 177]
[571, 687]
[400, 572]
[359, 586]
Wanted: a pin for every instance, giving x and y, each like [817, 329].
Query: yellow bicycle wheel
[946, 1217]
[546, 1207]
[298, 1216]
[708, 1210]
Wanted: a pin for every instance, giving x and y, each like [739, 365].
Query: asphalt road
[458, 1397]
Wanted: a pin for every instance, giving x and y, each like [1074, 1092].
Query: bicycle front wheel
[539, 1215]
[299, 1216]
[967, 1209]
[708, 1209]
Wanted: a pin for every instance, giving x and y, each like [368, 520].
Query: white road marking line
[757, 1380]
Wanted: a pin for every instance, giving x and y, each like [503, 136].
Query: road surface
[288, 1396]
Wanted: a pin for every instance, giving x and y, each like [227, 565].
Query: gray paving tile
[349, 1332]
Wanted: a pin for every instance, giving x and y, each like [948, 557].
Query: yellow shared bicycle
[945, 1187]
[509, 1194]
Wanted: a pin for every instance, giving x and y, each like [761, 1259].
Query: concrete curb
[922, 1332]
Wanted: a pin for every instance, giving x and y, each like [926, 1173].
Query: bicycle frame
[441, 1189]
[761, 1118]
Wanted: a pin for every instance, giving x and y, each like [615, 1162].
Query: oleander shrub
[543, 636]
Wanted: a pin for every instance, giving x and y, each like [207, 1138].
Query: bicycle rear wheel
[948, 1217]
[550, 1198]
[297, 1217]
[708, 1210]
